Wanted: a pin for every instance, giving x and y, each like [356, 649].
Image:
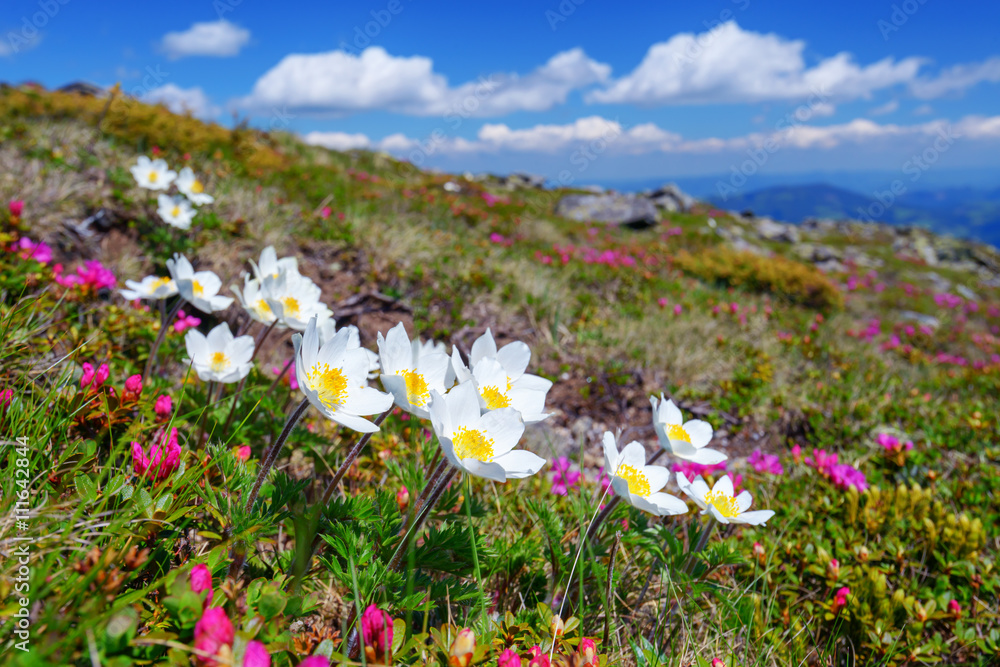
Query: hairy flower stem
[435, 474]
[272, 454]
[349, 460]
[609, 599]
[472, 541]
[239, 388]
[613, 503]
[164, 323]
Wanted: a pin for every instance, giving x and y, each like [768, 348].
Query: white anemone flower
[151, 287]
[684, 439]
[253, 300]
[152, 174]
[270, 265]
[175, 211]
[219, 357]
[294, 299]
[200, 289]
[637, 483]
[496, 391]
[480, 444]
[192, 188]
[328, 329]
[410, 373]
[722, 502]
[514, 358]
[334, 379]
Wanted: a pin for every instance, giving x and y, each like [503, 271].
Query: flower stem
[610, 507]
[472, 541]
[435, 474]
[167, 318]
[349, 460]
[204, 411]
[239, 388]
[272, 454]
[432, 499]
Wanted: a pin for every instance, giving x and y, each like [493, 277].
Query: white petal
[667, 505]
[724, 485]
[520, 463]
[367, 401]
[463, 404]
[634, 454]
[705, 457]
[504, 427]
[743, 501]
[699, 431]
[514, 358]
[490, 470]
[353, 422]
[484, 347]
[610, 453]
[670, 413]
[657, 476]
[754, 518]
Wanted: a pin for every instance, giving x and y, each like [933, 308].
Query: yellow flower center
[725, 504]
[197, 187]
[472, 444]
[161, 282]
[291, 305]
[416, 388]
[329, 383]
[262, 307]
[197, 288]
[153, 176]
[677, 432]
[495, 398]
[220, 362]
[175, 211]
[638, 484]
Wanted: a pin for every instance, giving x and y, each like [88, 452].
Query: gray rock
[920, 318]
[82, 88]
[671, 198]
[776, 231]
[612, 209]
[967, 293]
[522, 181]
[817, 252]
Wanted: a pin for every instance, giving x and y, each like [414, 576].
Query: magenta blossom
[290, 376]
[213, 631]
[769, 463]
[185, 322]
[325, 212]
[163, 407]
[101, 375]
[201, 580]
[893, 444]
[133, 388]
[840, 599]
[564, 479]
[16, 207]
[163, 459]
[256, 655]
[509, 658]
[88, 375]
[91, 276]
[376, 630]
[6, 397]
[28, 249]
[315, 661]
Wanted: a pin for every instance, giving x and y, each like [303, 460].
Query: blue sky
[578, 89]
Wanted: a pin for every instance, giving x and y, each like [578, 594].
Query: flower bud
[201, 580]
[833, 568]
[588, 651]
[863, 554]
[462, 649]
[256, 655]
[509, 658]
[538, 657]
[100, 375]
[376, 630]
[242, 452]
[6, 396]
[558, 627]
[840, 600]
[16, 208]
[717, 662]
[88, 375]
[133, 388]
[164, 406]
[955, 608]
[759, 553]
[921, 612]
[403, 499]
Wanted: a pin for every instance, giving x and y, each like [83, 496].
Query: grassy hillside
[780, 358]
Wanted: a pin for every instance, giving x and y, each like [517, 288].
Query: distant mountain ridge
[964, 212]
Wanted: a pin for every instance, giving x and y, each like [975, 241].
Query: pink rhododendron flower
[315, 661]
[101, 375]
[564, 479]
[88, 375]
[509, 658]
[797, 453]
[955, 608]
[185, 322]
[164, 456]
[16, 207]
[164, 406]
[588, 651]
[243, 452]
[133, 388]
[213, 631]
[6, 397]
[201, 580]
[291, 378]
[325, 212]
[376, 630]
[717, 662]
[91, 276]
[539, 658]
[840, 599]
[769, 463]
[256, 655]
[28, 249]
[678, 309]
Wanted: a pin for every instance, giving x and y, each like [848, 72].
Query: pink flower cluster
[163, 458]
[90, 276]
[214, 631]
[869, 333]
[615, 257]
[946, 300]
[38, 251]
[493, 199]
[840, 600]
[16, 208]
[563, 478]
[855, 283]
[500, 239]
[185, 322]
[94, 378]
[842, 475]
[769, 463]
[692, 470]
[290, 379]
[376, 631]
[893, 444]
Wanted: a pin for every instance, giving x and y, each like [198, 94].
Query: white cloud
[602, 136]
[883, 109]
[956, 79]
[338, 141]
[923, 110]
[730, 65]
[183, 100]
[338, 83]
[217, 38]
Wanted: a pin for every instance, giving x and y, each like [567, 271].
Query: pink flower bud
[509, 658]
[955, 608]
[133, 388]
[256, 655]
[376, 630]
[403, 498]
[6, 396]
[460, 654]
[717, 662]
[164, 406]
[833, 568]
[16, 207]
[315, 661]
[539, 658]
[88, 375]
[201, 580]
[588, 651]
[100, 375]
[211, 633]
[243, 452]
[163, 459]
